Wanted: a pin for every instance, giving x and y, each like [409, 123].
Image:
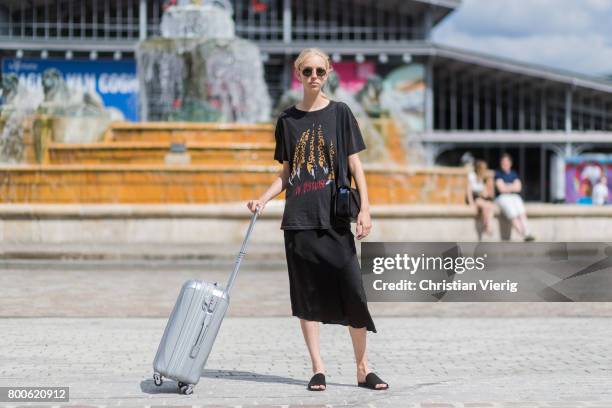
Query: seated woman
[480, 193]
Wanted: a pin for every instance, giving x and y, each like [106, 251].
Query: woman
[324, 275]
[479, 193]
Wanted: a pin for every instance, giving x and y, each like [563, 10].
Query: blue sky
[575, 35]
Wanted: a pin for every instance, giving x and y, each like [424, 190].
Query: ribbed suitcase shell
[191, 331]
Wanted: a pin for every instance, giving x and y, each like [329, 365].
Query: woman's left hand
[364, 224]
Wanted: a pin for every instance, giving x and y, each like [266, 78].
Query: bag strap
[343, 178]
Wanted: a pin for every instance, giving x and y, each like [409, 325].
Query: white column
[568, 110]
[429, 102]
[557, 177]
[287, 21]
[142, 20]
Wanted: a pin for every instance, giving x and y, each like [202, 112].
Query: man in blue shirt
[508, 187]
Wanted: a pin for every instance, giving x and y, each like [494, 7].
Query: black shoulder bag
[346, 200]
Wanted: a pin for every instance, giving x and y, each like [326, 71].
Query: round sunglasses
[307, 72]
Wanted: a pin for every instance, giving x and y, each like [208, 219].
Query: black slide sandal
[371, 381]
[317, 379]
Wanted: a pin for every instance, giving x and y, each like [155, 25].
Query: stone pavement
[108, 289]
[95, 327]
[428, 362]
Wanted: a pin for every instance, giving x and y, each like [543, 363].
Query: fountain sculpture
[199, 70]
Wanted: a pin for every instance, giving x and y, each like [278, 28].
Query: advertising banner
[582, 173]
[115, 81]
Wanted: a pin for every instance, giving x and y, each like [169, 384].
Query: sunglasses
[307, 72]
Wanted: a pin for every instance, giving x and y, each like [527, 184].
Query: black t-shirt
[308, 141]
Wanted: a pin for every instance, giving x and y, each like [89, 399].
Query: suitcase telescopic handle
[209, 304]
[242, 253]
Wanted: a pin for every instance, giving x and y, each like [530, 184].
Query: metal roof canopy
[448, 55]
[440, 8]
[453, 55]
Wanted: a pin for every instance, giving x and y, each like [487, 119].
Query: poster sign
[115, 81]
[582, 173]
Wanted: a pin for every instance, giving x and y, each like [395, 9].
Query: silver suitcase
[193, 326]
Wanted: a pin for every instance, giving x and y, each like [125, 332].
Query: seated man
[508, 186]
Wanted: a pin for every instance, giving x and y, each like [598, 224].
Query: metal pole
[142, 20]
[543, 108]
[453, 101]
[603, 113]
[464, 103]
[476, 103]
[46, 20]
[498, 107]
[428, 24]
[568, 110]
[580, 107]
[509, 109]
[94, 20]
[83, 20]
[487, 106]
[532, 110]
[542, 174]
[58, 21]
[287, 21]
[522, 161]
[442, 87]
[429, 102]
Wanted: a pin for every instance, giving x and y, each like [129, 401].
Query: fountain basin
[157, 152]
[185, 132]
[210, 163]
[206, 184]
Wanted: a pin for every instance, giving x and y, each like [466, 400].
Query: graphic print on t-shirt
[311, 171]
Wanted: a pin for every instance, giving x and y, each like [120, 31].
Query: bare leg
[517, 223]
[358, 337]
[310, 330]
[487, 215]
[523, 218]
[486, 209]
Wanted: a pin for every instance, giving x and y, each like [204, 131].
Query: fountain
[29, 117]
[19, 104]
[75, 115]
[199, 70]
[403, 96]
[193, 80]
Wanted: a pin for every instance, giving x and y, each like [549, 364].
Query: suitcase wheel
[186, 389]
[157, 379]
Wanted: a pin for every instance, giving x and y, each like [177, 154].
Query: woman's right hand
[253, 204]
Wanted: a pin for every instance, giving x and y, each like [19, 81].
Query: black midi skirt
[324, 277]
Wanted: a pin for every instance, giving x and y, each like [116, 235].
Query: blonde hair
[297, 64]
[481, 169]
